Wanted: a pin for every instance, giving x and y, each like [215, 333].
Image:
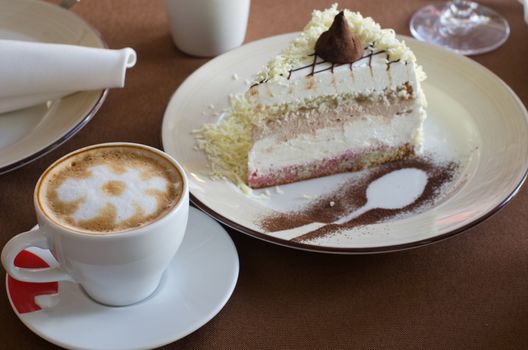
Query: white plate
[473, 118]
[28, 134]
[195, 288]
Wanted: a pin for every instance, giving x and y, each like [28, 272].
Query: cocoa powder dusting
[352, 196]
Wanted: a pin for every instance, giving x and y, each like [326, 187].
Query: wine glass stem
[459, 17]
[461, 8]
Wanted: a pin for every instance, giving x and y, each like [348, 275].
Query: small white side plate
[29, 133]
[195, 288]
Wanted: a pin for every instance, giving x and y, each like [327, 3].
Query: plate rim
[357, 250]
[4, 169]
[52, 146]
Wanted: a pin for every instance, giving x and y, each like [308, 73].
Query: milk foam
[94, 199]
[110, 189]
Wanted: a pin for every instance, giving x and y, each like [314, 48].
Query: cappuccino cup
[113, 215]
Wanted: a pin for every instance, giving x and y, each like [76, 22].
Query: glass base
[482, 31]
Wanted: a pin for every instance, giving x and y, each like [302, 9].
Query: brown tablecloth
[470, 291]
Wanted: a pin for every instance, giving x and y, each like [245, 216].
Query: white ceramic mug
[207, 28]
[117, 269]
[525, 11]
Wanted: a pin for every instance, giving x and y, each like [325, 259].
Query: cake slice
[338, 99]
[344, 95]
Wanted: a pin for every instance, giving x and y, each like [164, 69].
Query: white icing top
[366, 76]
[365, 28]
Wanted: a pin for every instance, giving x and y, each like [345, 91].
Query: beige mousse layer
[330, 114]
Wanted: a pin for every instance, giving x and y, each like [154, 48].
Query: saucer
[195, 287]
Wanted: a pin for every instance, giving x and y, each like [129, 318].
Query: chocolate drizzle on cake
[331, 68]
[389, 62]
[263, 81]
[316, 63]
[339, 46]
[313, 65]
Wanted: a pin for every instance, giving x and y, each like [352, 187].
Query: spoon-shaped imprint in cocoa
[394, 190]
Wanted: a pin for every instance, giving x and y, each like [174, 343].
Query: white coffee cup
[119, 268]
[525, 11]
[207, 28]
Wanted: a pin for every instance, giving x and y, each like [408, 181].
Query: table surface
[470, 291]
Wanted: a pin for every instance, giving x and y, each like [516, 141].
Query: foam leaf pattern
[137, 193]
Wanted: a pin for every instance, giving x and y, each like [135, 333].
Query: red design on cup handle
[23, 294]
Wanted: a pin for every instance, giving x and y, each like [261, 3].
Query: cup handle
[34, 238]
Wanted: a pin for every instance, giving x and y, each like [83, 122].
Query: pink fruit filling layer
[350, 160]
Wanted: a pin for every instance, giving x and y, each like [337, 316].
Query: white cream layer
[360, 79]
[367, 132]
[365, 28]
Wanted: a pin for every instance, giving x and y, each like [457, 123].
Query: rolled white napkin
[32, 73]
